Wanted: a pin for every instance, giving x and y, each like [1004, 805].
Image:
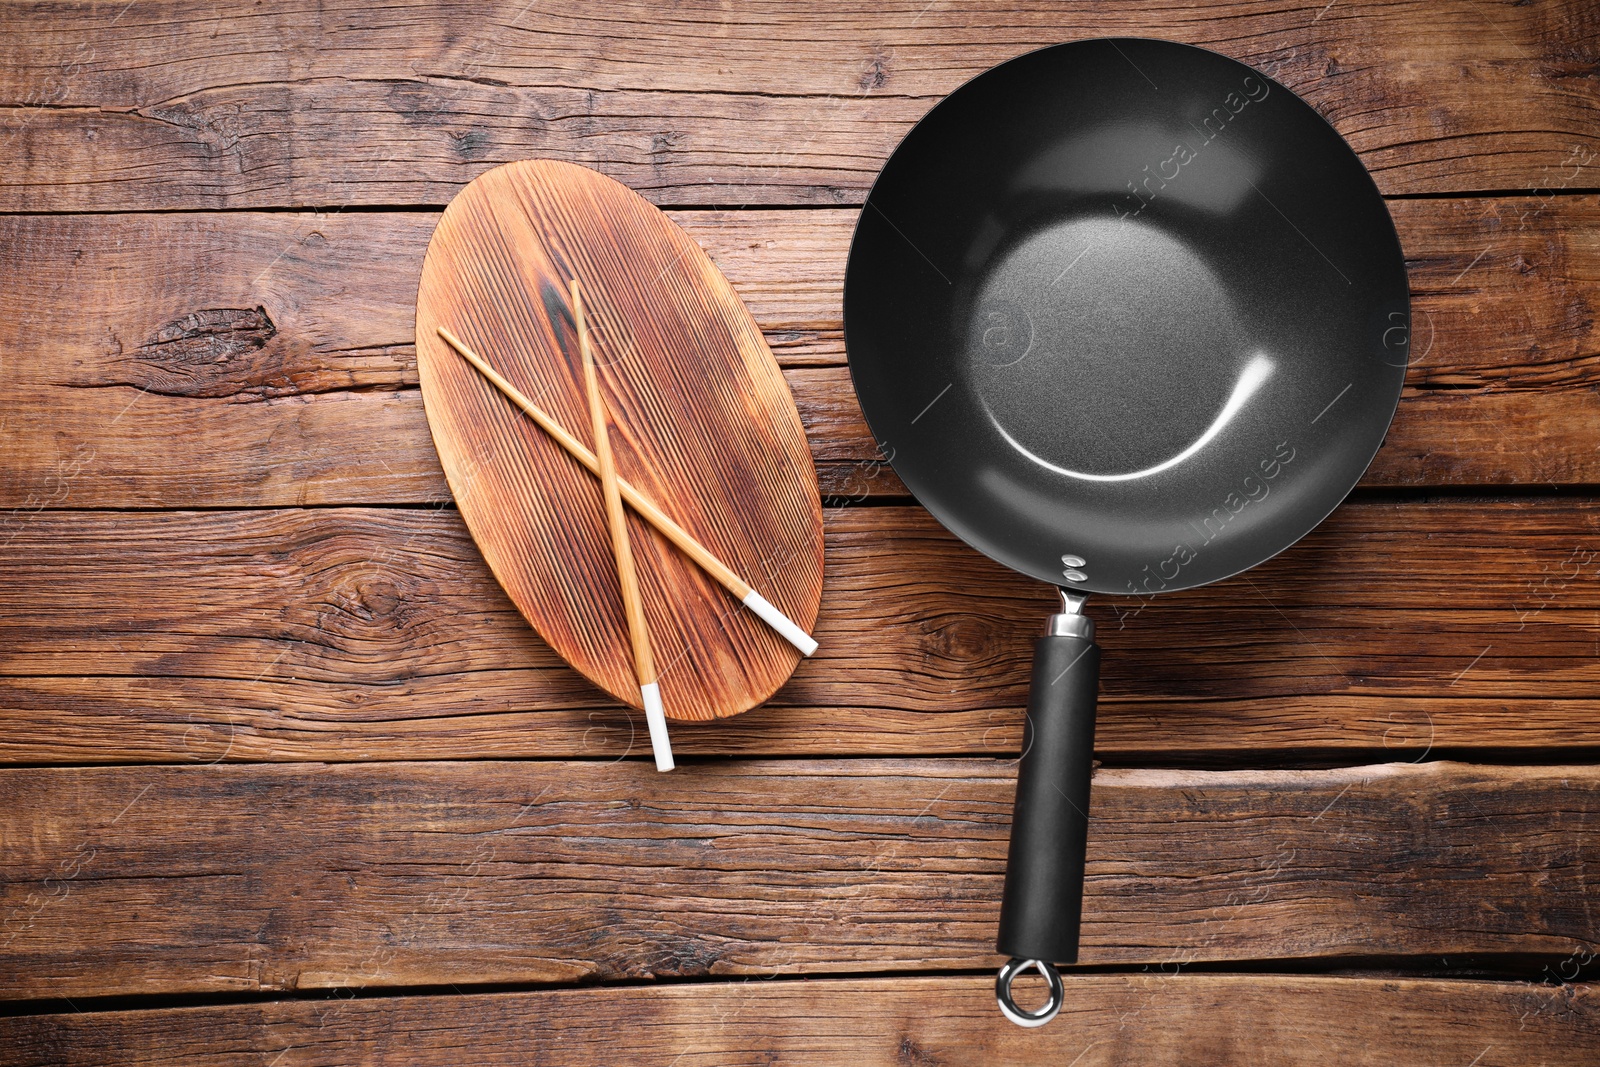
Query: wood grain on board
[268, 877]
[350, 634]
[247, 359]
[167, 105]
[702, 424]
[1154, 1020]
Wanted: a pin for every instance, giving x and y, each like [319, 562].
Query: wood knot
[210, 335]
[662, 143]
[876, 76]
[914, 1055]
[213, 352]
[238, 354]
[676, 956]
[961, 638]
[470, 144]
[346, 600]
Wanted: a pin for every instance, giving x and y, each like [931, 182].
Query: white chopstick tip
[780, 622]
[655, 717]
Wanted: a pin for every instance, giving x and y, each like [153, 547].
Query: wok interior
[1160, 331]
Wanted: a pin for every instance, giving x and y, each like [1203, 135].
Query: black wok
[1127, 316]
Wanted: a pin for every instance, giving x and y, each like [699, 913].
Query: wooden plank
[169, 104]
[269, 877]
[350, 634]
[261, 359]
[1109, 1019]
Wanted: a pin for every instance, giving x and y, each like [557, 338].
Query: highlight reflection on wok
[1250, 380]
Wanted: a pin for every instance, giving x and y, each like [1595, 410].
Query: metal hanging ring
[1039, 1016]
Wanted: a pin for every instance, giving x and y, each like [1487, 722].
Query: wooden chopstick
[713, 566]
[644, 664]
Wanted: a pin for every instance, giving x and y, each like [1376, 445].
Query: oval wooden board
[702, 423]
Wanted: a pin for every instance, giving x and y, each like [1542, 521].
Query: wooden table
[289, 781]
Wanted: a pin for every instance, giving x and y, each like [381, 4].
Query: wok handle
[1042, 906]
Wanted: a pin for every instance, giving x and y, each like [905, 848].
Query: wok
[1127, 316]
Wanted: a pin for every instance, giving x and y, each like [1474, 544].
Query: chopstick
[741, 590]
[644, 665]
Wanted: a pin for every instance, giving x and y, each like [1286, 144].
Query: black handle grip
[1043, 902]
